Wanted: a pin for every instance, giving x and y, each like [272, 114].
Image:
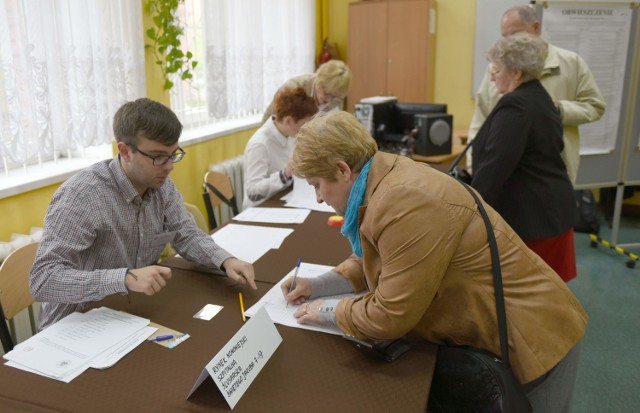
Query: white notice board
[603, 34]
[599, 33]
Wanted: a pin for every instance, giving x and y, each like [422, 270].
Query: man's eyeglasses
[159, 160]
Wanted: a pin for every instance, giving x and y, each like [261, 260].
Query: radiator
[233, 169]
[18, 240]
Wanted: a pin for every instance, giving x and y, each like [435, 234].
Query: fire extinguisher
[325, 54]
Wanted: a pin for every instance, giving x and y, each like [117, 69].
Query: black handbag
[387, 350]
[468, 379]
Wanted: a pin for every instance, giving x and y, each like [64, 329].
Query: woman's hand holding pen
[301, 290]
[308, 312]
[148, 280]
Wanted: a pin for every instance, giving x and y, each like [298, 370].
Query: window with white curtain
[67, 65]
[65, 68]
[246, 49]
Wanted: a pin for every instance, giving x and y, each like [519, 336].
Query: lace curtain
[246, 50]
[65, 68]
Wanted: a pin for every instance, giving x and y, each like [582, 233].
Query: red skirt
[559, 252]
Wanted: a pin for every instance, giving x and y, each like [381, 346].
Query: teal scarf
[356, 198]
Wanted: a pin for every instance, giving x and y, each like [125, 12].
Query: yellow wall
[334, 23]
[455, 33]
[21, 212]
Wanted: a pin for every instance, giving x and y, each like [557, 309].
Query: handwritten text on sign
[229, 373]
[235, 367]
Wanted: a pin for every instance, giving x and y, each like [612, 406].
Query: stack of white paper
[98, 338]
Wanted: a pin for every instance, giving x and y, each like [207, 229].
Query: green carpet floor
[609, 373]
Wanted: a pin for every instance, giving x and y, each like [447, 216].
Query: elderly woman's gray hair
[520, 51]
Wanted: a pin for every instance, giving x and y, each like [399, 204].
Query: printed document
[67, 348]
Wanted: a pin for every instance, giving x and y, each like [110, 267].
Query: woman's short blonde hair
[334, 77]
[327, 139]
[520, 51]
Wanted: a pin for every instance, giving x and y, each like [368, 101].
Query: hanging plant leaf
[165, 41]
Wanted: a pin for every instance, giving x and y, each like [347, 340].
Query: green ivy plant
[165, 37]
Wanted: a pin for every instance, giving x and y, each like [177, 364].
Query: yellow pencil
[242, 307]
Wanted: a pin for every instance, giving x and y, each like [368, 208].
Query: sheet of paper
[250, 242]
[273, 215]
[116, 353]
[287, 196]
[276, 306]
[66, 379]
[304, 196]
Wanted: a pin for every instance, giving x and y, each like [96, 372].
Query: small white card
[235, 367]
[208, 312]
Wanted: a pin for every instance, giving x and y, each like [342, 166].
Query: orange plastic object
[335, 221]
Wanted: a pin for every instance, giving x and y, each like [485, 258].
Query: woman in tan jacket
[421, 255]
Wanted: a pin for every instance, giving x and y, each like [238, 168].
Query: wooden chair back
[15, 295]
[218, 192]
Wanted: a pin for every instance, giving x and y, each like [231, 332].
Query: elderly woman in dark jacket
[517, 165]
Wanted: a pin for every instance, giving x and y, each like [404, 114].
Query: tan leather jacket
[427, 266]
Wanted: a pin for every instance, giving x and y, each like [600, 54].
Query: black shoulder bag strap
[459, 157]
[497, 279]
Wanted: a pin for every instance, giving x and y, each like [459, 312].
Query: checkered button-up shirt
[98, 226]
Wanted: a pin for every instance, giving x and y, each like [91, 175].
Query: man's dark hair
[146, 118]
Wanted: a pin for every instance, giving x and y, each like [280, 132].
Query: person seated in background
[517, 162]
[421, 255]
[328, 86]
[106, 226]
[266, 157]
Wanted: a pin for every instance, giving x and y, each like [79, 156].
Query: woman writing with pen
[421, 255]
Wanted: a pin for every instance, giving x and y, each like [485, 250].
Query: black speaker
[434, 134]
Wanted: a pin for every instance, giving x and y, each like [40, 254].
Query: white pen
[295, 274]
